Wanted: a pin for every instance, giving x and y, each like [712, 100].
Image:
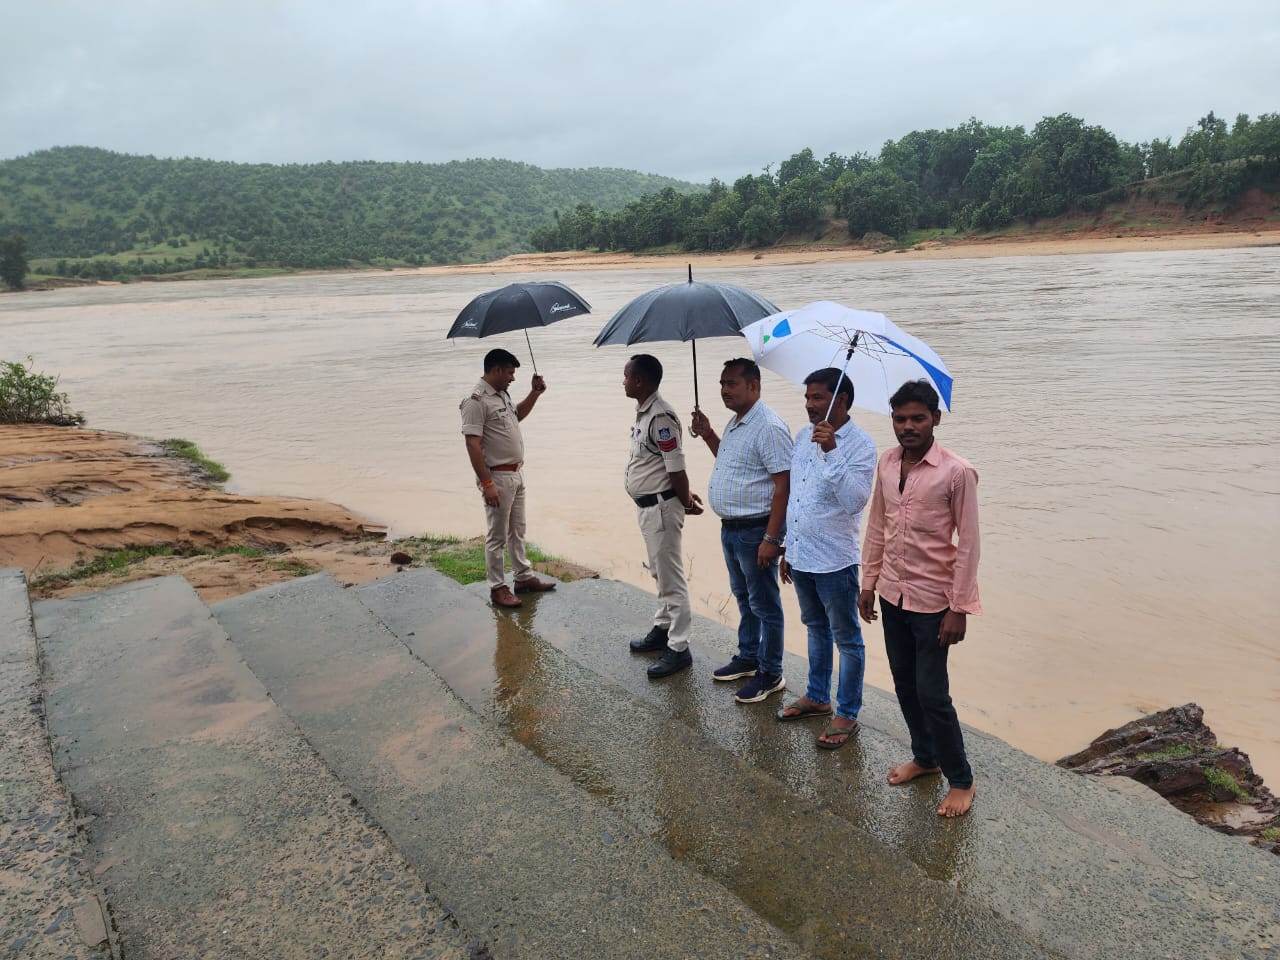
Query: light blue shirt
[828, 492]
[752, 450]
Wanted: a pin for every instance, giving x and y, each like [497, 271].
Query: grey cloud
[692, 90]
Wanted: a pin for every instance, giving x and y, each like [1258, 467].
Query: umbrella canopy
[876, 355]
[518, 306]
[687, 312]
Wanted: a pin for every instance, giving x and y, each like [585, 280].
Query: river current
[1121, 409]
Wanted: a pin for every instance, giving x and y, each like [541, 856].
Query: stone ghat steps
[400, 769]
[1085, 867]
[211, 826]
[680, 762]
[527, 861]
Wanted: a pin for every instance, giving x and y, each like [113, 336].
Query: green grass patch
[1220, 779]
[1176, 752]
[1271, 834]
[113, 561]
[187, 450]
[458, 559]
[117, 561]
[297, 568]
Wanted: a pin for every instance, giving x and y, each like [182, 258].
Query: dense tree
[13, 261]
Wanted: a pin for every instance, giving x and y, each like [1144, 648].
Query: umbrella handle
[694, 343]
[532, 359]
[839, 380]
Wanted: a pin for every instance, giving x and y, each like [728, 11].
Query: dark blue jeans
[759, 599]
[829, 609]
[919, 667]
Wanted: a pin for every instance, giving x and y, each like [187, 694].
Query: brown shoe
[503, 597]
[534, 585]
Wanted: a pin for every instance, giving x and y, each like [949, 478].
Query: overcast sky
[689, 89]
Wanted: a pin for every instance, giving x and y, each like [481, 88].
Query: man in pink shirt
[921, 555]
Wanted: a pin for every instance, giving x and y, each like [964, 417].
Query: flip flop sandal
[804, 711]
[834, 731]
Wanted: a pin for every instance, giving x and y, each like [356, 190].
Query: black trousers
[919, 667]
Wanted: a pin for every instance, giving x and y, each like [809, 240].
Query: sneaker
[735, 669]
[760, 686]
[673, 661]
[652, 642]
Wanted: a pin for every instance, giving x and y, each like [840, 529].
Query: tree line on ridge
[970, 177]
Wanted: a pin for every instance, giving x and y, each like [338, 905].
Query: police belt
[744, 523]
[504, 466]
[653, 499]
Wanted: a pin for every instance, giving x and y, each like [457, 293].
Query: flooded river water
[1121, 409]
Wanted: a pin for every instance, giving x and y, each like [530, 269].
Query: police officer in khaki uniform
[491, 428]
[657, 482]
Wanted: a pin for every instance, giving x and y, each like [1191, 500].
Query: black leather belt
[744, 523]
[653, 499]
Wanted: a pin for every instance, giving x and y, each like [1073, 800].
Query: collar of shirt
[646, 403]
[738, 420]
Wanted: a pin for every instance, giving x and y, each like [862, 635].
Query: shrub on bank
[30, 397]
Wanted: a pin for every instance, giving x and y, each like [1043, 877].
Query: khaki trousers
[506, 528]
[662, 527]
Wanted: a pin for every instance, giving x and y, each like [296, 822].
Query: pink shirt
[908, 555]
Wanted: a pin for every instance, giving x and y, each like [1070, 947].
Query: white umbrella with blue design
[875, 354]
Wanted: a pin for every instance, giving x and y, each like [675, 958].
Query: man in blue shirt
[748, 491]
[832, 471]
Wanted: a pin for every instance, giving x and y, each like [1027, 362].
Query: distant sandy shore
[1058, 245]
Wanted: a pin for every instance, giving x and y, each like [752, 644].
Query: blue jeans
[759, 599]
[829, 608]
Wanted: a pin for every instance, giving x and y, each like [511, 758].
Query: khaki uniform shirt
[490, 415]
[655, 448]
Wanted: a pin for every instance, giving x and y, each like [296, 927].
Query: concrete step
[1091, 868]
[520, 855]
[683, 764]
[214, 829]
[49, 909]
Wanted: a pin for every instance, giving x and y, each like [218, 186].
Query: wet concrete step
[674, 761]
[49, 909]
[214, 829]
[522, 856]
[1092, 868]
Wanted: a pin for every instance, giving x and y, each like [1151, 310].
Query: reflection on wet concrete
[746, 815]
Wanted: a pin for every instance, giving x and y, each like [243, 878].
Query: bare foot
[906, 772]
[957, 802]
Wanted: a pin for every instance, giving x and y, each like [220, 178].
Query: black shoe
[673, 661]
[651, 642]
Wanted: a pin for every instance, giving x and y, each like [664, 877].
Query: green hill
[142, 215]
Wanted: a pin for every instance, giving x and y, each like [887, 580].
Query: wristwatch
[774, 540]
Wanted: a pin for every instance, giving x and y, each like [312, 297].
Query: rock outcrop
[1175, 754]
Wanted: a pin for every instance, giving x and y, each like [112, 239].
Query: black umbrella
[518, 306]
[686, 311]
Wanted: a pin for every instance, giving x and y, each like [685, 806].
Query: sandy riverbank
[1010, 246]
[68, 494]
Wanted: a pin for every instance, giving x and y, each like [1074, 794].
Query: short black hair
[750, 369]
[648, 366]
[829, 377]
[498, 357]
[915, 391]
